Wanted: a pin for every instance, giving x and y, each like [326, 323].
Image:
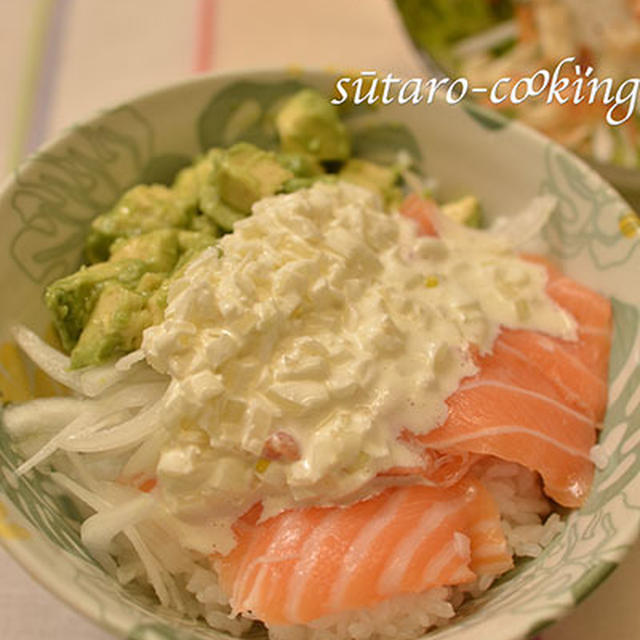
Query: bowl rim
[535, 136]
[116, 621]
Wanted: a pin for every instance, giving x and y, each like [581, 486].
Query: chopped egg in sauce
[303, 345]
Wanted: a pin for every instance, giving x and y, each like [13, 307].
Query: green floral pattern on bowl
[45, 210]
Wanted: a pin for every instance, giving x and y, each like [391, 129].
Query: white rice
[524, 509]
[401, 618]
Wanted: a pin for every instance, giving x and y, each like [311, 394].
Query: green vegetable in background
[437, 25]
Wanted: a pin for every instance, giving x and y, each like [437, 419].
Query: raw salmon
[438, 468]
[579, 368]
[520, 421]
[305, 564]
[536, 399]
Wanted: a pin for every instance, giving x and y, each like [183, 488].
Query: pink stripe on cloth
[205, 22]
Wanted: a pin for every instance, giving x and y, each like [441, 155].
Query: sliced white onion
[91, 381]
[152, 567]
[41, 415]
[145, 457]
[81, 422]
[526, 224]
[90, 498]
[50, 360]
[127, 433]
[98, 414]
[98, 530]
[126, 362]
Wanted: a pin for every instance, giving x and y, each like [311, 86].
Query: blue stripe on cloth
[47, 81]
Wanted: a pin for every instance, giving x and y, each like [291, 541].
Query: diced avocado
[114, 328]
[141, 209]
[96, 246]
[373, 176]
[465, 211]
[194, 241]
[305, 168]
[247, 174]
[157, 302]
[158, 249]
[150, 282]
[190, 184]
[214, 208]
[302, 165]
[190, 180]
[309, 123]
[296, 184]
[203, 224]
[191, 244]
[71, 299]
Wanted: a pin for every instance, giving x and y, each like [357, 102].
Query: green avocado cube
[71, 299]
[158, 249]
[376, 177]
[221, 213]
[247, 174]
[201, 223]
[295, 184]
[305, 168]
[150, 282]
[302, 165]
[189, 182]
[141, 209]
[309, 123]
[192, 243]
[157, 302]
[465, 211]
[114, 327]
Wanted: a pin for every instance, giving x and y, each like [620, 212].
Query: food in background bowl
[514, 40]
[278, 401]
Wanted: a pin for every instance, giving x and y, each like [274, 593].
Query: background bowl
[45, 210]
[436, 27]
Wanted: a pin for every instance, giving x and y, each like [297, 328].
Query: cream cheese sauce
[304, 343]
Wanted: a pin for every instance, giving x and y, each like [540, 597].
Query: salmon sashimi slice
[517, 424]
[304, 564]
[438, 468]
[563, 363]
[537, 399]
[580, 368]
[590, 309]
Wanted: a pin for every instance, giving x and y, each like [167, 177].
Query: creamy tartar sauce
[301, 346]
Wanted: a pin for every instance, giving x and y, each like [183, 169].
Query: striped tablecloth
[62, 60]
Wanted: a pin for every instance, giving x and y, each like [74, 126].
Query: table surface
[62, 60]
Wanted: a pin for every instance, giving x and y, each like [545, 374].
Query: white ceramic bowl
[45, 209]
